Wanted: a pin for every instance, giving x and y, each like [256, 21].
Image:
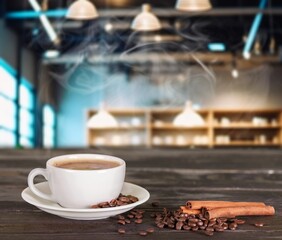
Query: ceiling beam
[160, 12]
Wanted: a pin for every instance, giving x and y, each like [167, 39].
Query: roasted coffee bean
[208, 233]
[179, 225]
[182, 219]
[139, 216]
[143, 233]
[127, 221]
[222, 219]
[191, 224]
[130, 216]
[94, 206]
[232, 226]
[121, 230]
[161, 225]
[171, 225]
[120, 217]
[140, 211]
[124, 199]
[210, 229]
[186, 227]
[133, 199]
[239, 221]
[194, 229]
[155, 204]
[122, 222]
[219, 229]
[194, 220]
[259, 224]
[225, 226]
[150, 230]
[138, 221]
[200, 223]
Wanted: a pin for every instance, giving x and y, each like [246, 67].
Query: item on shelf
[259, 121]
[188, 117]
[135, 121]
[222, 139]
[168, 140]
[200, 140]
[181, 140]
[225, 121]
[99, 141]
[262, 139]
[274, 122]
[136, 140]
[116, 140]
[275, 140]
[157, 140]
[159, 123]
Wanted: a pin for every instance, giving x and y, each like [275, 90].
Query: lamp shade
[188, 117]
[146, 20]
[193, 5]
[102, 119]
[82, 10]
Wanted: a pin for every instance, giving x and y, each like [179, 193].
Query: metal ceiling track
[160, 12]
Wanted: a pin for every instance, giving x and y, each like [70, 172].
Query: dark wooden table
[171, 176]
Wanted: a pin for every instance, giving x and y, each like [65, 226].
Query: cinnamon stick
[190, 211]
[231, 212]
[216, 204]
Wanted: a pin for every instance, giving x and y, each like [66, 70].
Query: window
[26, 114]
[48, 126]
[8, 108]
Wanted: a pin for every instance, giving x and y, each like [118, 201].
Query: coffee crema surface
[86, 164]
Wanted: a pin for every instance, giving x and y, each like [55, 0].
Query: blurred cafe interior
[136, 74]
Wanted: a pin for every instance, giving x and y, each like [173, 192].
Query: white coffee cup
[80, 188]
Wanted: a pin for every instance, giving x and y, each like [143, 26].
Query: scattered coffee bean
[120, 217]
[239, 221]
[232, 226]
[139, 216]
[179, 225]
[138, 221]
[121, 230]
[259, 224]
[127, 221]
[130, 216]
[122, 222]
[143, 233]
[208, 233]
[186, 227]
[219, 229]
[150, 230]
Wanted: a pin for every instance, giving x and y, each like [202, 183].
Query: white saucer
[85, 214]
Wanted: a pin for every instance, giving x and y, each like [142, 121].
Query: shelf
[245, 128]
[120, 128]
[169, 126]
[246, 143]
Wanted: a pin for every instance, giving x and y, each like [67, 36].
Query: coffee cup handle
[30, 180]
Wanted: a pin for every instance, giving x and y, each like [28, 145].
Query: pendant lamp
[82, 10]
[102, 119]
[146, 20]
[193, 5]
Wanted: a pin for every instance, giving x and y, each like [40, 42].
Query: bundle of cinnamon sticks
[216, 209]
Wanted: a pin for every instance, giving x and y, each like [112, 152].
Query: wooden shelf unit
[154, 128]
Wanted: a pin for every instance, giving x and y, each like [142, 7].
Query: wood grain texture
[172, 176]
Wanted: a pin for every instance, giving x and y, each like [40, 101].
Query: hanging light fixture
[234, 71]
[146, 20]
[188, 117]
[193, 5]
[102, 119]
[272, 45]
[82, 10]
